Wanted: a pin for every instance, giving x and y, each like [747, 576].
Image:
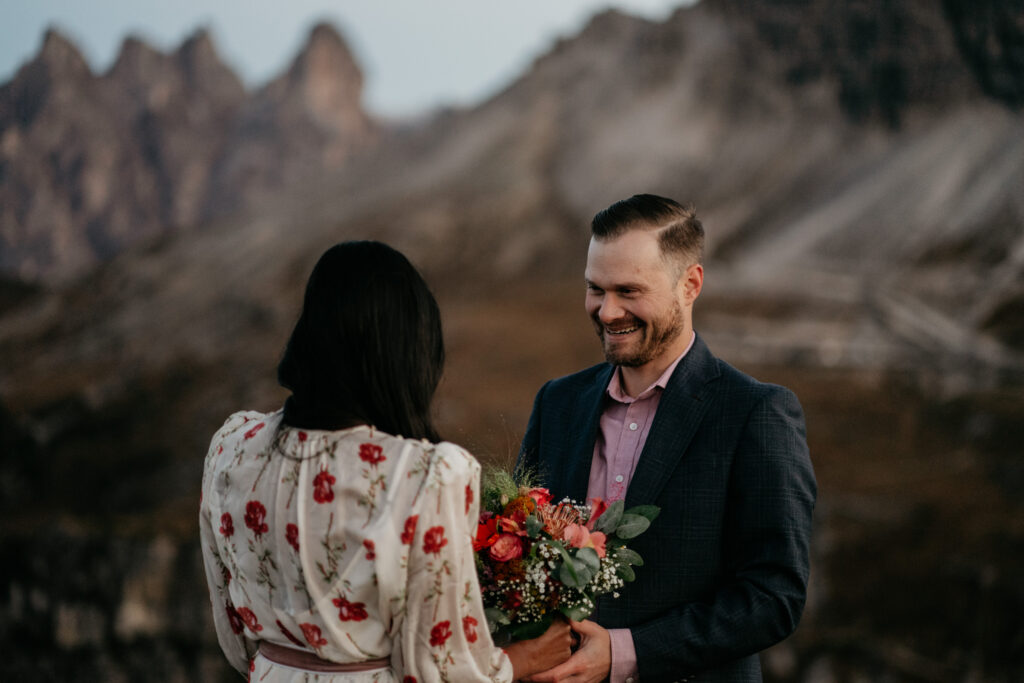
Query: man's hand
[591, 663]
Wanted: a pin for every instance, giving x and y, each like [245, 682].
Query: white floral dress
[352, 545]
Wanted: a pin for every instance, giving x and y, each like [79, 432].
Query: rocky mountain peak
[203, 67]
[60, 56]
[326, 78]
[162, 141]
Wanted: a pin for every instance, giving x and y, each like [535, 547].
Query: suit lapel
[582, 435]
[680, 411]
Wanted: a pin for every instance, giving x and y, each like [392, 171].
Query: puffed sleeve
[226, 620]
[444, 636]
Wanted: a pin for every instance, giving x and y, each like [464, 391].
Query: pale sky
[415, 55]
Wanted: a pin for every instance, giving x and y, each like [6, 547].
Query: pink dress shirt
[624, 426]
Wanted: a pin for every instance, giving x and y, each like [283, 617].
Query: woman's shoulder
[247, 423]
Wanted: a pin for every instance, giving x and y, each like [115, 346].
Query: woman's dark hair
[367, 347]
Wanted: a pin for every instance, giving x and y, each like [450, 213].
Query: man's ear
[692, 282]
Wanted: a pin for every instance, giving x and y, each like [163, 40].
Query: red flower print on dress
[250, 619]
[252, 432]
[434, 540]
[302, 436]
[370, 549]
[291, 534]
[254, 516]
[234, 618]
[227, 575]
[350, 611]
[441, 632]
[469, 497]
[322, 483]
[288, 634]
[469, 628]
[371, 453]
[410, 529]
[313, 635]
[227, 526]
[409, 679]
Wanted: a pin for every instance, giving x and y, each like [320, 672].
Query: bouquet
[537, 558]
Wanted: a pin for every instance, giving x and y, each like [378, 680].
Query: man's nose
[610, 310]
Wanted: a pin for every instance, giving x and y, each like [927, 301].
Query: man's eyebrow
[617, 285]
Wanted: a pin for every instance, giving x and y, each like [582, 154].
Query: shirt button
[619, 479]
[632, 426]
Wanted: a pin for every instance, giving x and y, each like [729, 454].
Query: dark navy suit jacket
[726, 562]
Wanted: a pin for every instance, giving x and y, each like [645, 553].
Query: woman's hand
[542, 653]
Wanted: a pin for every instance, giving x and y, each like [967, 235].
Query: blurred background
[168, 178]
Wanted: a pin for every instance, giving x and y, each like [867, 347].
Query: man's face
[639, 305]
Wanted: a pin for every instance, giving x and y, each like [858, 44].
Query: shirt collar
[616, 392]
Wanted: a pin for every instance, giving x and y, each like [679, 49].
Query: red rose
[469, 628]
[370, 554]
[313, 636]
[434, 540]
[350, 611]
[250, 619]
[469, 497]
[288, 634]
[440, 633]
[506, 548]
[291, 534]
[254, 514]
[227, 527]
[252, 432]
[234, 618]
[302, 436]
[486, 532]
[371, 453]
[540, 496]
[410, 529]
[322, 491]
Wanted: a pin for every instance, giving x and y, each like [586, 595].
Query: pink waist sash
[297, 659]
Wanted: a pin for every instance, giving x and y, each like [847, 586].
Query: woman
[337, 531]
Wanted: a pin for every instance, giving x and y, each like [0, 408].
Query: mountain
[858, 167]
[161, 143]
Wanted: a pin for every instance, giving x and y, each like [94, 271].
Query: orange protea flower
[557, 517]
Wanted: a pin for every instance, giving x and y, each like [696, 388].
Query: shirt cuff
[623, 657]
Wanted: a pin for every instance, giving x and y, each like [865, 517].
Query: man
[664, 422]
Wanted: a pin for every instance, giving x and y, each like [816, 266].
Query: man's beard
[656, 336]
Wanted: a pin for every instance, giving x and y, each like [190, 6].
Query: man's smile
[626, 330]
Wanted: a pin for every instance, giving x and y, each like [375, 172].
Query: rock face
[162, 142]
[858, 167]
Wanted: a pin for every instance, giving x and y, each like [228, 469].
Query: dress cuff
[623, 657]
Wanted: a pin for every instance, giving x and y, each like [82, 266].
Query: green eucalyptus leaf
[495, 618]
[589, 558]
[627, 556]
[534, 525]
[569, 574]
[651, 512]
[625, 572]
[609, 519]
[631, 526]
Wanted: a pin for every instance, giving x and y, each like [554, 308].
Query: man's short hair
[680, 234]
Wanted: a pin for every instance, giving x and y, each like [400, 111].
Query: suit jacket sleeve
[529, 452]
[766, 537]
